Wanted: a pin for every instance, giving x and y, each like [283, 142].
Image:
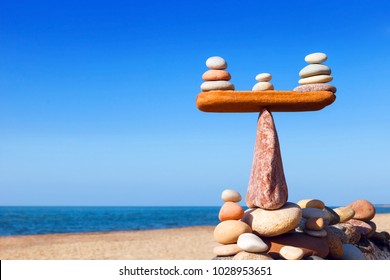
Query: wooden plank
[252, 101]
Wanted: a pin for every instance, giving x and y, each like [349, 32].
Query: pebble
[316, 79]
[339, 233]
[316, 233]
[227, 232]
[373, 226]
[313, 213]
[262, 86]
[251, 243]
[364, 210]
[315, 224]
[230, 211]
[231, 196]
[301, 225]
[352, 236]
[291, 253]
[311, 203]
[252, 256]
[264, 77]
[362, 227]
[335, 245]
[216, 62]
[345, 213]
[267, 186]
[216, 85]
[316, 57]
[226, 250]
[310, 245]
[227, 258]
[314, 70]
[332, 217]
[351, 252]
[216, 75]
[273, 222]
[314, 258]
[315, 87]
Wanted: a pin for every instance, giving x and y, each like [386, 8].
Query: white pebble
[251, 243]
[216, 62]
[314, 70]
[216, 85]
[291, 253]
[262, 86]
[315, 79]
[316, 57]
[231, 196]
[264, 77]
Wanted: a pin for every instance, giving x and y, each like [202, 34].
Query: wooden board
[252, 101]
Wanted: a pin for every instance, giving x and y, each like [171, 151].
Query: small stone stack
[315, 75]
[217, 78]
[263, 82]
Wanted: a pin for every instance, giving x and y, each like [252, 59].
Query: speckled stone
[226, 250]
[362, 227]
[267, 186]
[252, 256]
[317, 57]
[315, 79]
[335, 245]
[311, 203]
[216, 75]
[231, 196]
[216, 85]
[314, 70]
[216, 63]
[315, 87]
[364, 210]
[264, 77]
[351, 233]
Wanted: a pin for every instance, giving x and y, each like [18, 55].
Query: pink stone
[267, 185]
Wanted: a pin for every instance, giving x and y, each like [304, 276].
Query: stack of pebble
[315, 75]
[263, 82]
[217, 78]
[306, 230]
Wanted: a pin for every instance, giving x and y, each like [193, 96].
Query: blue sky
[97, 100]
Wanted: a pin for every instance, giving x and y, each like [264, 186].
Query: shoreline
[187, 243]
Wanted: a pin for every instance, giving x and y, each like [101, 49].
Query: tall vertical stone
[267, 185]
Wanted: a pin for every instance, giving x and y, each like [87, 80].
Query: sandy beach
[181, 243]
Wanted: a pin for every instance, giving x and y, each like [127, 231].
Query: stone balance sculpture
[272, 227]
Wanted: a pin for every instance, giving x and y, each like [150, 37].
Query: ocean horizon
[31, 220]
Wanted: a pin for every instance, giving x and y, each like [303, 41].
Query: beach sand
[194, 243]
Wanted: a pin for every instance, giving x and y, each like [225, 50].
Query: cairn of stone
[263, 82]
[315, 76]
[217, 78]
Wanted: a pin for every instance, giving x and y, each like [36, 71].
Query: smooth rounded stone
[332, 217]
[262, 86]
[231, 196]
[315, 79]
[273, 222]
[352, 235]
[291, 253]
[314, 258]
[311, 203]
[216, 63]
[351, 252]
[227, 232]
[335, 245]
[316, 233]
[345, 213]
[364, 210]
[216, 85]
[226, 250]
[314, 70]
[227, 258]
[216, 75]
[230, 211]
[317, 57]
[264, 77]
[301, 225]
[339, 233]
[362, 227]
[313, 213]
[310, 245]
[315, 224]
[251, 243]
[252, 256]
[315, 87]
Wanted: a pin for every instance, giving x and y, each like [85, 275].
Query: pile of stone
[263, 82]
[217, 78]
[306, 230]
[314, 77]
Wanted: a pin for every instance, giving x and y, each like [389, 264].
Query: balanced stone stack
[263, 82]
[217, 78]
[315, 76]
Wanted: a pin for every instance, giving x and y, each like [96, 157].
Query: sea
[28, 220]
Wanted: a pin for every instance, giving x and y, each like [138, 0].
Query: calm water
[43, 220]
